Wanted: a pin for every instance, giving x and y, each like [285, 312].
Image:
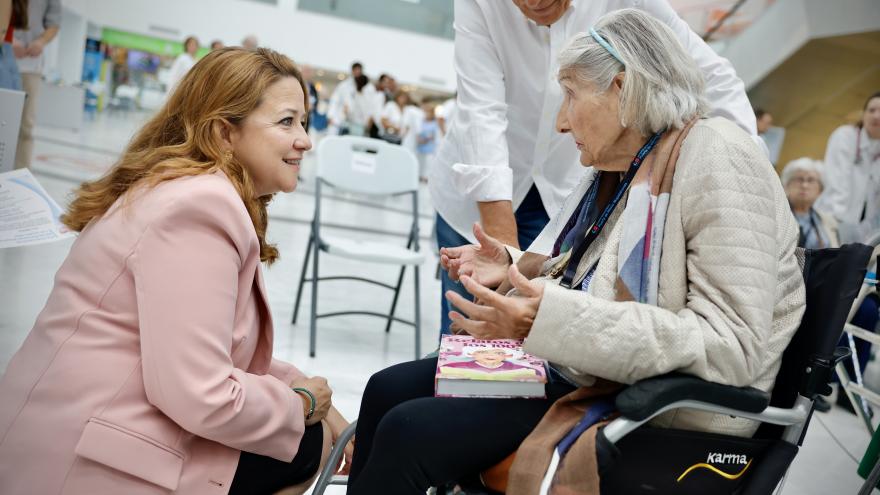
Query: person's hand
[486, 262]
[498, 316]
[317, 385]
[19, 50]
[35, 48]
[338, 424]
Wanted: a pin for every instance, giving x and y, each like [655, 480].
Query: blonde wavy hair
[183, 138]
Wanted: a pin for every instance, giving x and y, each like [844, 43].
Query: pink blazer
[150, 368]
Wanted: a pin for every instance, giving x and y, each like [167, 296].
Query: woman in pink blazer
[150, 369]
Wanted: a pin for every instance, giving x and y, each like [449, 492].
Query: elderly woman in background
[802, 180]
[717, 293]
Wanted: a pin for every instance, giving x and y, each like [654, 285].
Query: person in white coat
[852, 175]
[183, 63]
[502, 163]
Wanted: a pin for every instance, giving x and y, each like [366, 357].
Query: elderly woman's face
[803, 188]
[592, 117]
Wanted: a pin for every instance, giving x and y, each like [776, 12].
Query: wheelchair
[635, 458]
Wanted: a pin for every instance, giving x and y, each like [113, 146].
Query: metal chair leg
[302, 278]
[313, 324]
[396, 295]
[418, 314]
[326, 478]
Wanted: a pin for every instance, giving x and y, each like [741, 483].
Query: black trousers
[257, 474]
[407, 440]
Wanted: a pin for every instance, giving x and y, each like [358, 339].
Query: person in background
[343, 94]
[44, 20]
[13, 15]
[359, 109]
[392, 117]
[764, 120]
[445, 115]
[183, 63]
[383, 92]
[852, 196]
[773, 137]
[852, 175]
[429, 134]
[387, 86]
[501, 162]
[412, 122]
[216, 45]
[309, 75]
[802, 181]
[250, 42]
[150, 369]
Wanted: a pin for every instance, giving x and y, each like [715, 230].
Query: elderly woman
[802, 180]
[676, 253]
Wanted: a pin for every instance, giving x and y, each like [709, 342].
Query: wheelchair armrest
[642, 399]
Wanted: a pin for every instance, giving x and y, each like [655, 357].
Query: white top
[411, 121]
[343, 93]
[393, 113]
[361, 105]
[503, 138]
[851, 187]
[182, 64]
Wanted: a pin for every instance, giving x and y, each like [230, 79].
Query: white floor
[349, 349]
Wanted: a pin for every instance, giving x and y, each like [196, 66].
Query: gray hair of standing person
[662, 87]
[802, 165]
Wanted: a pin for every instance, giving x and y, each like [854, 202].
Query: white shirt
[502, 138]
[393, 113]
[412, 124]
[343, 93]
[182, 64]
[851, 187]
[360, 106]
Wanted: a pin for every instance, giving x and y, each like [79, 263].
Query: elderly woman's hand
[485, 262]
[498, 316]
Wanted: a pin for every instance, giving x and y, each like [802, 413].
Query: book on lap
[469, 367]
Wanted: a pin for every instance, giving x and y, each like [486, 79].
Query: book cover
[469, 367]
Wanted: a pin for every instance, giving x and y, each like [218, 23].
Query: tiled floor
[349, 349]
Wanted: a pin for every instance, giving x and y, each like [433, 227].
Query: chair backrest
[832, 278]
[367, 166]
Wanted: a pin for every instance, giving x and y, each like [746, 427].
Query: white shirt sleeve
[182, 64]
[483, 173]
[724, 89]
[838, 158]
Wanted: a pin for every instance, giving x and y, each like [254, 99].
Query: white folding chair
[854, 387]
[374, 168]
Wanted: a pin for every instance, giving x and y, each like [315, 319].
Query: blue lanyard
[593, 232]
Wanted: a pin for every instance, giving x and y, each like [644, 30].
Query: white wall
[308, 38]
[789, 24]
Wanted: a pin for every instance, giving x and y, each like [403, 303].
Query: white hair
[802, 165]
[662, 86]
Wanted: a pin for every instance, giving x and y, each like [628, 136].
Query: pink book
[469, 367]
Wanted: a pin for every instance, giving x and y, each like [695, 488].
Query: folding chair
[854, 387]
[638, 459]
[374, 168]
